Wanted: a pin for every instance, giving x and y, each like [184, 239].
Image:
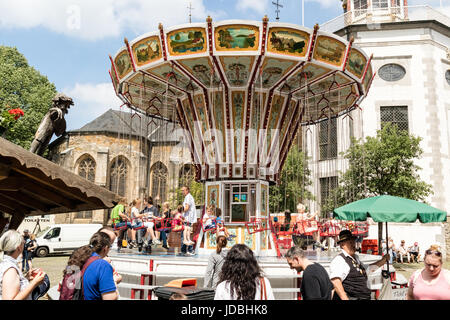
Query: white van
[64, 238]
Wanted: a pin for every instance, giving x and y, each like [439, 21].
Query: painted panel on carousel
[263, 204]
[263, 238]
[275, 112]
[306, 75]
[147, 50]
[356, 63]
[289, 114]
[237, 69]
[238, 102]
[236, 37]
[367, 78]
[200, 68]
[123, 64]
[258, 104]
[213, 195]
[190, 119]
[331, 82]
[249, 238]
[175, 77]
[202, 114]
[219, 119]
[288, 41]
[273, 70]
[187, 41]
[329, 50]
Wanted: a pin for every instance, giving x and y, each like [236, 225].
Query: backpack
[72, 283]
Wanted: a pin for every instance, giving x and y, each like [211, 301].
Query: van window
[40, 233]
[53, 233]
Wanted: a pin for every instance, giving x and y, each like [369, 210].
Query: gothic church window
[159, 177]
[86, 169]
[118, 176]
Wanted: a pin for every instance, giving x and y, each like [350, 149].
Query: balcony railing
[374, 17]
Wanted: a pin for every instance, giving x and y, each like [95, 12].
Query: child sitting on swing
[177, 221]
[209, 219]
[221, 230]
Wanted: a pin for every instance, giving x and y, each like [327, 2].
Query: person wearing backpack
[87, 275]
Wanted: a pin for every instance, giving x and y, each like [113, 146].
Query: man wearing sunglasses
[348, 274]
[432, 282]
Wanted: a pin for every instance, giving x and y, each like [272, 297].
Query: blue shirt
[98, 279]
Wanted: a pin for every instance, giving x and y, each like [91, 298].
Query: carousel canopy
[241, 89]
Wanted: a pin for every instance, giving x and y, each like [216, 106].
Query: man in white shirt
[348, 274]
[190, 217]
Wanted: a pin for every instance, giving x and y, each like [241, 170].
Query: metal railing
[375, 17]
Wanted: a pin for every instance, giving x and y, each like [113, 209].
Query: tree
[381, 165]
[294, 180]
[22, 86]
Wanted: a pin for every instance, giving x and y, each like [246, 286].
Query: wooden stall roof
[31, 185]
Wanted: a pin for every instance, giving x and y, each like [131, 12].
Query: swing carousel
[240, 91]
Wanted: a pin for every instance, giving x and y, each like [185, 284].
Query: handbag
[263, 289]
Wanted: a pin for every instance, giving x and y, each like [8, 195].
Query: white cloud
[97, 19]
[90, 101]
[260, 6]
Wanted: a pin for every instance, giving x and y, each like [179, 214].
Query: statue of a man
[53, 122]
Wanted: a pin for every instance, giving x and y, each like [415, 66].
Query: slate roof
[123, 123]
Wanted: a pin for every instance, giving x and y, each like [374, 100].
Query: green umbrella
[389, 209]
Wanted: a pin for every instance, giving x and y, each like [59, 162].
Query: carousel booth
[240, 91]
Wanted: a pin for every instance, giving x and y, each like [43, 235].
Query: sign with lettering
[399, 293]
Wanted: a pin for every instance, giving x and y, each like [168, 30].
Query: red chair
[138, 228]
[256, 225]
[116, 228]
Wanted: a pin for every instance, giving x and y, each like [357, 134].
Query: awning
[31, 185]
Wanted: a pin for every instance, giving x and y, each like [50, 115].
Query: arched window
[86, 169]
[187, 175]
[118, 176]
[159, 176]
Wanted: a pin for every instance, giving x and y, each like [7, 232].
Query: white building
[411, 58]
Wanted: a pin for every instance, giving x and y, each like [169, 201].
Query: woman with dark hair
[241, 277]
[98, 275]
[215, 263]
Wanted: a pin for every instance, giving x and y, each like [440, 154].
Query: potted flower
[8, 117]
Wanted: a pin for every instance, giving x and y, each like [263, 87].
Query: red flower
[17, 113]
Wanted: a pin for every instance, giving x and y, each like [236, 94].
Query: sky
[69, 41]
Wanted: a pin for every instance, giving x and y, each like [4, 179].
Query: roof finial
[276, 4]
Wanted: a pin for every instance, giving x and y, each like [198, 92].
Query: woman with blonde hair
[308, 223]
[215, 263]
[13, 284]
[431, 282]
